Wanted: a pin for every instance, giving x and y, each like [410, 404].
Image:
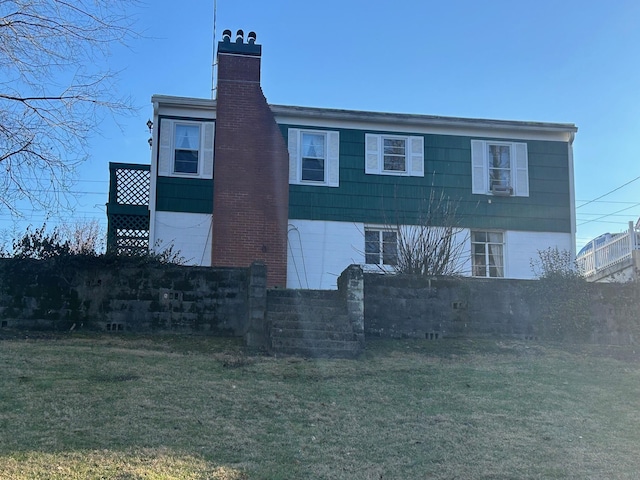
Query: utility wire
[609, 193]
[609, 214]
[606, 201]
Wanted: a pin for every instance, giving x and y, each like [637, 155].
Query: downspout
[153, 171]
[572, 194]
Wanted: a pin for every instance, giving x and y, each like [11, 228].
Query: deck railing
[614, 251]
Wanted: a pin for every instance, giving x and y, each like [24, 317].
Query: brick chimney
[251, 170]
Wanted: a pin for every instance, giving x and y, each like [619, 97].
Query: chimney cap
[251, 48]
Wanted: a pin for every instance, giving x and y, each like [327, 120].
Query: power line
[606, 201]
[620, 224]
[609, 193]
[609, 214]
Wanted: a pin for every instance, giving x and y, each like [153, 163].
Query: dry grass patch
[195, 407]
[105, 464]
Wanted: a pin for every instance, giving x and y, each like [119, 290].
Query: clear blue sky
[569, 61]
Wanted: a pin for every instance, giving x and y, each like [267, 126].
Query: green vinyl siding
[385, 199]
[191, 195]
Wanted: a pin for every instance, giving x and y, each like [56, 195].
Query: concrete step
[313, 335]
[320, 316]
[286, 344]
[314, 353]
[341, 325]
[304, 294]
[310, 323]
[284, 302]
[310, 343]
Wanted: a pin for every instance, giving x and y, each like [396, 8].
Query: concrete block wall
[125, 296]
[121, 295]
[405, 306]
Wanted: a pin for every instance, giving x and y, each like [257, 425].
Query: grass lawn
[180, 407]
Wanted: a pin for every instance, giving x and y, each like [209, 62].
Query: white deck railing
[616, 250]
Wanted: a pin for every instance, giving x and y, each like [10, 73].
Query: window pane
[389, 248]
[479, 268]
[394, 157]
[394, 146]
[487, 259]
[479, 248]
[313, 145]
[372, 246]
[495, 237]
[381, 247]
[479, 237]
[313, 157]
[186, 161]
[394, 164]
[499, 156]
[500, 166]
[313, 169]
[187, 137]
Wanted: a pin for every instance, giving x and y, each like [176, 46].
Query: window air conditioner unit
[502, 190]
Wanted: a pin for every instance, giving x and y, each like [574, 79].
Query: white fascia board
[381, 121]
[166, 105]
[423, 124]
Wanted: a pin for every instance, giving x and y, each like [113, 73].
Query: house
[612, 257]
[310, 191]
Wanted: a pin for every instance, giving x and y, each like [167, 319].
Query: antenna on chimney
[213, 59]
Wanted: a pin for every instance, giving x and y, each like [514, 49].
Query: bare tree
[84, 237]
[434, 244]
[55, 89]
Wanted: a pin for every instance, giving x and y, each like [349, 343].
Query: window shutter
[165, 162]
[478, 171]
[522, 170]
[208, 132]
[293, 141]
[333, 159]
[372, 146]
[417, 156]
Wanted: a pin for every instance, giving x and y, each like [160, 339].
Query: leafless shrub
[435, 244]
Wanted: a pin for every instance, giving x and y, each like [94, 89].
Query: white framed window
[314, 157]
[185, 148]
[394, 155]
[499, 168]
[487, 254]
[380, 247]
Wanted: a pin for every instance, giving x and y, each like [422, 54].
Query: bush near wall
[121, 294]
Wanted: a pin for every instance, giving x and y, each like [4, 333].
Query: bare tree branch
[56, 88]
[433, 243]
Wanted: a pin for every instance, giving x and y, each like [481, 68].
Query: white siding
[189, 233]
[522, 247]
[319, 251]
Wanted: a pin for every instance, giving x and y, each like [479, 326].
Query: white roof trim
[402, 122]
